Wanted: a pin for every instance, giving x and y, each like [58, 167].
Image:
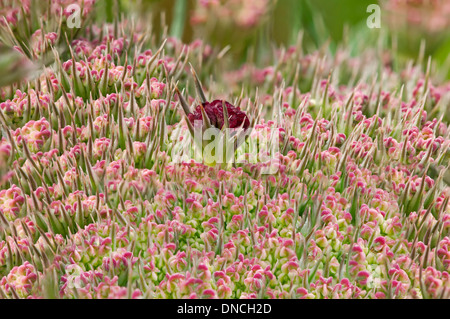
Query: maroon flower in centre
[214, 111]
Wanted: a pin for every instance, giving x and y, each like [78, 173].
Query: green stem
[179, 18]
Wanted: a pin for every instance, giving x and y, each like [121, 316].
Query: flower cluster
[101, 196]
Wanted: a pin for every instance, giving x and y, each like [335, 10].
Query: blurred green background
[331, 23]
[251, 30]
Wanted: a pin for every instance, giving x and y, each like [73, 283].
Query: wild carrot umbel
[338, 187]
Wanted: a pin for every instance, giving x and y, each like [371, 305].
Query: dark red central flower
[214, 111]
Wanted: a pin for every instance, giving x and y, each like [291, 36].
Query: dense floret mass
[96, 201]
